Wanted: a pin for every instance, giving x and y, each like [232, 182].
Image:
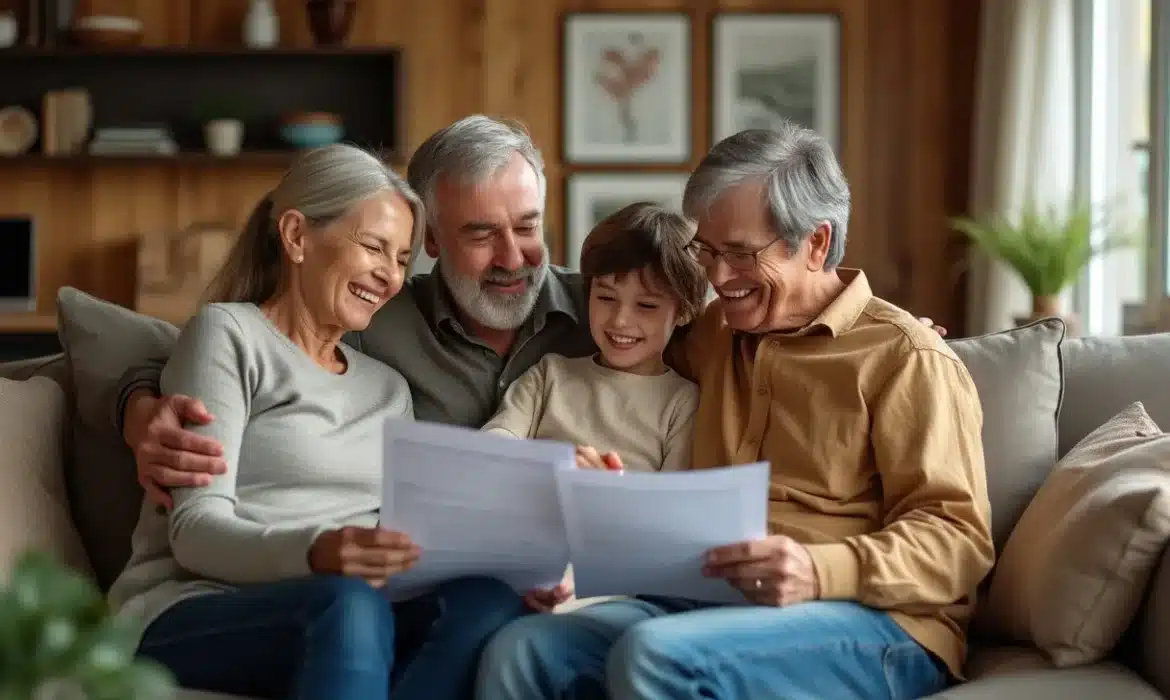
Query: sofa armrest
[1155, 628]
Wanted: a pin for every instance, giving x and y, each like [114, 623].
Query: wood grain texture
[908, 77]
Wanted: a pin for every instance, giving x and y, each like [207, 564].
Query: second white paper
[477, 504]
[648, 533]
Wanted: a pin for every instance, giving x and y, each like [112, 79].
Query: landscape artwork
[774, 67]
[593, 196]
[627, 88]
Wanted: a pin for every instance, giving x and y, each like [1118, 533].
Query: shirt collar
[840, 315]
[554, 297]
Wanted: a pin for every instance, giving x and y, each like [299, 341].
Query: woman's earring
[298, 259]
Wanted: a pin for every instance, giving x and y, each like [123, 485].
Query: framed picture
[627, 82]
[593, 196]
[769, 67]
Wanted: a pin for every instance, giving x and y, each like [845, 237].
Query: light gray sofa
[1041, 394]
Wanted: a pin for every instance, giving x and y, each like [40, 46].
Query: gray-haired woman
[264, 581]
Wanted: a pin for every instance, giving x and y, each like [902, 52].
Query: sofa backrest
[1104, 375]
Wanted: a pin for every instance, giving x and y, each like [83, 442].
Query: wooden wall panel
[908, 73]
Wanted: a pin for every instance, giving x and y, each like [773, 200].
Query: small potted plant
[58, 640]
[1048, 248]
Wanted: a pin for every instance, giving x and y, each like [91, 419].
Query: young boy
[642, 284]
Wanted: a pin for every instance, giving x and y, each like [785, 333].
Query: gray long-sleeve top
[303, 448]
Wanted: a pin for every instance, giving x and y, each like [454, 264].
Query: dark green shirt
[454, 377]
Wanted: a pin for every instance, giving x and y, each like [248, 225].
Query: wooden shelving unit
[182, 87]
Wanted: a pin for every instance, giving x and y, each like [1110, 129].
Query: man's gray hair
[471, 150]
[804, 182]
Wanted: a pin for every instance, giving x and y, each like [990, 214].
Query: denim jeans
[655, 649]
[332, 638]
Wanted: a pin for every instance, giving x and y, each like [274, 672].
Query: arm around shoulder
[136, 381]
[928, 450]
[212, 362]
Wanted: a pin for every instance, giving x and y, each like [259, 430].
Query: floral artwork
[627, 88]
[622, 72]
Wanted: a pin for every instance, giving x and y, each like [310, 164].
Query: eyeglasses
[742, 260]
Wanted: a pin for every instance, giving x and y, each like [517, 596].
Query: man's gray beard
[503, 312]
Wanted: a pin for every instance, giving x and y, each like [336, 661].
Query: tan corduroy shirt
[872, 427]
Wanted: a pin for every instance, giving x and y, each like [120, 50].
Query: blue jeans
[655, 649]
[332, 638]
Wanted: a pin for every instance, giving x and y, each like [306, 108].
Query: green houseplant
[58, 640]
[1047, 247]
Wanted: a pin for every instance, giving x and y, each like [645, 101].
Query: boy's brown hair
[642, 237]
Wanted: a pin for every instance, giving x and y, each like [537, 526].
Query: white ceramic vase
[8, 30]
[261, 25]
[224, 137]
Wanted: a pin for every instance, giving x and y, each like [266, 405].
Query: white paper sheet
[647, 533]
[477, 504]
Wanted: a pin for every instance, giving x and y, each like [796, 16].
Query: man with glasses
[879, 518]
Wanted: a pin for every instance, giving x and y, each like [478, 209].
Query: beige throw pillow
[1073, 572]
[34, 510]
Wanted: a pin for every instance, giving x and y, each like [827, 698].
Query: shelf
[190, 51]
[194, 158]
[27, 323]
[174, 86]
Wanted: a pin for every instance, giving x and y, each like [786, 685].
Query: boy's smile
[631, 318]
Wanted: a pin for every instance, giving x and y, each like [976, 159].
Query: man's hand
[366, 552]
[930, 324]
[167, 455]
[544, 600]
[589, 458]
[776, 571]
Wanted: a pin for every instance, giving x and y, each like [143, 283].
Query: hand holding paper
[476, 504]
[649, 533]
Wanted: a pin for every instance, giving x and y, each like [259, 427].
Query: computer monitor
[18, 264]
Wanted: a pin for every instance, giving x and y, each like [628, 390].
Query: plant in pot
[1047, 247]
[58, 640]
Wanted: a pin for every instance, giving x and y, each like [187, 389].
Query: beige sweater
[648, 420]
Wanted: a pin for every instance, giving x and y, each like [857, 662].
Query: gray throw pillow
[101, 341]
[1020, 382]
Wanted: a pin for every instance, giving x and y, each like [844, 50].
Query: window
[1114, 110]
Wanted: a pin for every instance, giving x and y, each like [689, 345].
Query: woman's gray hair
[804, 182]
[471, 150]
[323, 184]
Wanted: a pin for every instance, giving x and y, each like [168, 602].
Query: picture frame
[771, 66]
[627, 87]
[590, 197]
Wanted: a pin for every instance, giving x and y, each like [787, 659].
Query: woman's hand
[776, 571]
[589, 458]
[545, 599]
[366, 552]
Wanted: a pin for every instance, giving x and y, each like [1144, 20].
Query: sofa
[70, 488]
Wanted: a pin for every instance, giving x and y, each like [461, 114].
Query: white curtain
[1024, 136]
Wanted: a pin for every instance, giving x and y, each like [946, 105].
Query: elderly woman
[265, 580]
[878, 513]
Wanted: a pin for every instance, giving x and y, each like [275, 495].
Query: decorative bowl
[311, 135]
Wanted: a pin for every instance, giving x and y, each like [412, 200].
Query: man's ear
[818, 246]
[293, 228]
[430, 244]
